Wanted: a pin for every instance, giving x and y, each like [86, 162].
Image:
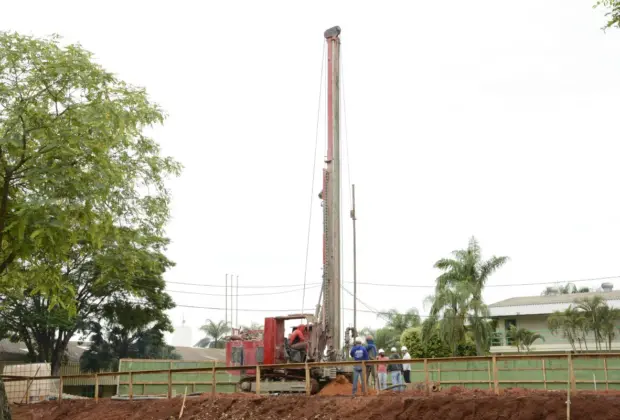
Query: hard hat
[393, 349]
[369, 337]
[403, 348]
[381, 351]
[358, 340]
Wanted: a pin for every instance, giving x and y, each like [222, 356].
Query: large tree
[128, 267]
[83, 203]
[458, 296]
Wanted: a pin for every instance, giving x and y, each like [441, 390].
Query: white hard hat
[381, 351]
[358, 340]
[403, 348]
[393, 349]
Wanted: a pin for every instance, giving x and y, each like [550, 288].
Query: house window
[507, 325]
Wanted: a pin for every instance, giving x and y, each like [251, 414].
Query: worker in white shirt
[406, 366]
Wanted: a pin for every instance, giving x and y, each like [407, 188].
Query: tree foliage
[434, 346]
[215, 333]
[522, 338]
[74, 162]
[127, 268]
[129, 331]
[399, 322]
[587, 316]
[612, 12]
[457, 304]
[384, 338]
[83, 203]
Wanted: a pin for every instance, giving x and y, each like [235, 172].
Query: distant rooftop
[538, 305]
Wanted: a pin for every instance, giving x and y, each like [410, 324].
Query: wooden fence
[570, 372]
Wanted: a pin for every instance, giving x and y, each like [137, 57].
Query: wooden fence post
[606, 379]
[490, 374]
[308, 384]
[571, 367]
[60, 389]
[568, 385]
[426, 377]
[257, 379]
[213, 380]
[170, 380]
[364, 384]
[544, 368]
[495, 376]
[96, 388]
[130, 385]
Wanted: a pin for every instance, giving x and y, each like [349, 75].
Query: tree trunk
[5, 410]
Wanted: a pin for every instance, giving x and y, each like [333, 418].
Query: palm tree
[572, 324]
[594, 313]
[215, 331]
[522, 338]
[463, 279]
[450, 306]
[609, 318]
[400, 322]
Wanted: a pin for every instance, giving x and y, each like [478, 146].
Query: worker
[395, 369]
[358, 353]
[297, 339]
[382, 370]
[406, 366]
[372, 355]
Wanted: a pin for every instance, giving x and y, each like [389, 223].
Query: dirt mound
[342, 386]
[466, 405]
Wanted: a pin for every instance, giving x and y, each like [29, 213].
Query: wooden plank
[490, 375]
[571, 369]
[213, 380]
[308, 382]
[427, 382]
[170, 381]
[131, 385]
[60, 390]
[544, 373]
[606, 378]
[258, 380]
[364, 384]
[96, 388]
[495, 378]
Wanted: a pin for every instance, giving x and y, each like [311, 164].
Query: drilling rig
[325, 342]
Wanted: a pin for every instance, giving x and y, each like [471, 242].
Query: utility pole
[231, 301]
[226, 301]
[354, 218]
[237, 305]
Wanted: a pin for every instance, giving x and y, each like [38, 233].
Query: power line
[241, 287]
[247, 294]
[401, 285]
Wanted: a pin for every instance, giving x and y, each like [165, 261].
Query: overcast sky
[486, 118]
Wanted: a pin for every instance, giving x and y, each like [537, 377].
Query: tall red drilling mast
[324, 338]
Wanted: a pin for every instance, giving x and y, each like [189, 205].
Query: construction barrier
[572, 372]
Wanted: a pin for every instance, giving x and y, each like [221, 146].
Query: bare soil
[451, 404]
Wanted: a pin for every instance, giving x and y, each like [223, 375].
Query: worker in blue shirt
[358, 352]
